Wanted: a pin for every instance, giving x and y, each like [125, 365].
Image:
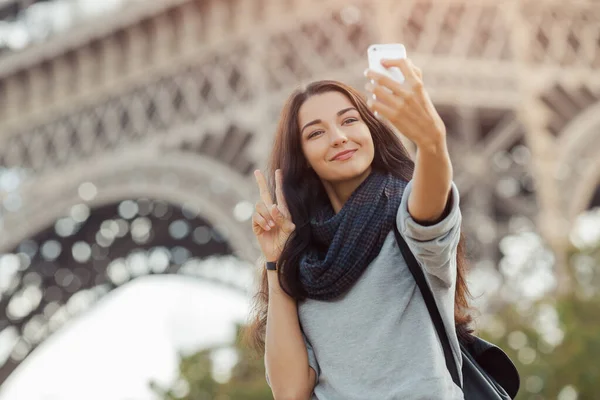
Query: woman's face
[330, 124]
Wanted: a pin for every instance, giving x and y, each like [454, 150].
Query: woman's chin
[348, 171]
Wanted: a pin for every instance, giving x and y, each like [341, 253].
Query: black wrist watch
[271, 266]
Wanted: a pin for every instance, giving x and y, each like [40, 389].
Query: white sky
[133, 335]
[40, 20]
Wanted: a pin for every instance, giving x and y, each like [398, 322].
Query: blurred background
[129, 130]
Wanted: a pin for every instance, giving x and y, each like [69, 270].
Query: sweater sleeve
[434, 246]
[312, 361]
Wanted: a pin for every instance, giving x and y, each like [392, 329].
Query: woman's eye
[347, 120]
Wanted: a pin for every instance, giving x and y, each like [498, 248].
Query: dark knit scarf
[344, 244]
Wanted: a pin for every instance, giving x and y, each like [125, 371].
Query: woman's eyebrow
[318, 121]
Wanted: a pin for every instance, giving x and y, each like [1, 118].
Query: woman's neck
[340, 192]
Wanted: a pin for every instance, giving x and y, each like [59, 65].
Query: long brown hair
[304, 191]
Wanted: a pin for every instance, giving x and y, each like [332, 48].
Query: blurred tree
[196, 381]
[555, 342]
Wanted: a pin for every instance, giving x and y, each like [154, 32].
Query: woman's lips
[345, 156]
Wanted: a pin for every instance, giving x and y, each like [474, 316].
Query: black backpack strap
[419, 276]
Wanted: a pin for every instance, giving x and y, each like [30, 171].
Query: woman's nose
[338, 137]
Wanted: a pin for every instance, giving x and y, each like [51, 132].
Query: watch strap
[271, 266]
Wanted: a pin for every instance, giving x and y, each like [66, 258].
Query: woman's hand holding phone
[406, 106]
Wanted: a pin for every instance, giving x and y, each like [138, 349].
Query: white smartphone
[377, 52]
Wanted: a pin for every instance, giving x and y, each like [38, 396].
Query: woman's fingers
[258, 220]
[417, 70]
[397, 107]
[281, 203]
[276, 215]
[263, 216]
[265, 196]
[384, 96]
[282, 221]
[409, 73]
[382, 109]
[269, 215]
[278, 187]
[386, 81]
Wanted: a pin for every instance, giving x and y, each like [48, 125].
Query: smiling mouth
[345, 156]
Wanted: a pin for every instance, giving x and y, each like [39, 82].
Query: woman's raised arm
[286, 357]
[409, 108]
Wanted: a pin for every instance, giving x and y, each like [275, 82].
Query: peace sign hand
[271, 223]
[407, 106]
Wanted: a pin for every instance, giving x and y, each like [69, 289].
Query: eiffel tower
[128, 140]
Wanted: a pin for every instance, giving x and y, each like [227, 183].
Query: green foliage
[545, 369]
[573, 362]
[247, 378]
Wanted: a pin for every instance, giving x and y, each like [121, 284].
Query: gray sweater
[377, 341]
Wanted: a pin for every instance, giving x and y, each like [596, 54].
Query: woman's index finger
[263, 189]
[405, 68]
[386, 81]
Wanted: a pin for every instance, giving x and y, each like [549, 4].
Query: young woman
[341, 316]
